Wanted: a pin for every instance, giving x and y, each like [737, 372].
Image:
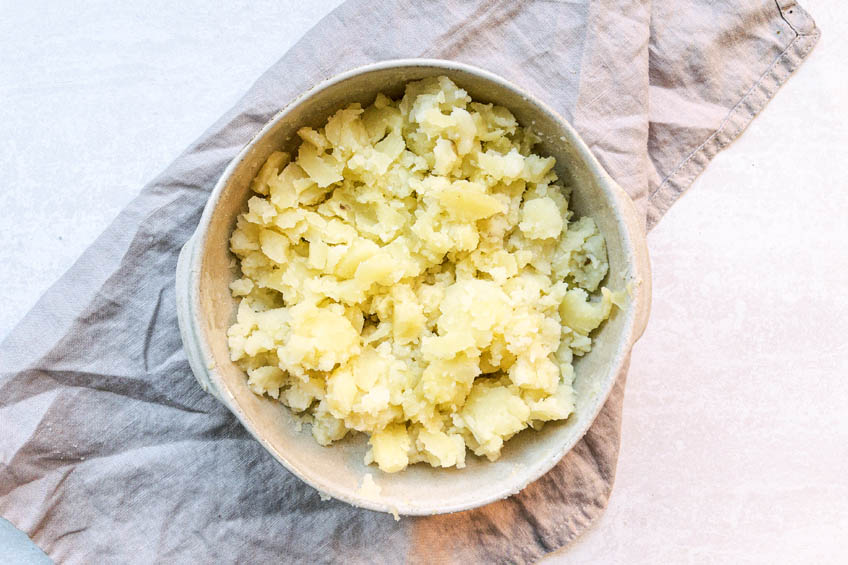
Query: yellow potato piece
[390, 448]
[468, 202]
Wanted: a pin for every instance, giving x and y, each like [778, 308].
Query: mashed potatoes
[415, 274]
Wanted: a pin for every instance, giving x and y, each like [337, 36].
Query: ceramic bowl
[206, 308]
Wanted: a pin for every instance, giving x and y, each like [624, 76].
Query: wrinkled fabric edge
[586, 520]
[742, 113]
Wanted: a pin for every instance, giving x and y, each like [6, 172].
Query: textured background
[735, 440]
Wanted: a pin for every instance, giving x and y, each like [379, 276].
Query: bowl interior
[338, 470]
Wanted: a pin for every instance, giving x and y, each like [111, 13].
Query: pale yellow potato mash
[415, 274]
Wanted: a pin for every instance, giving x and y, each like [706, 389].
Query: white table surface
[735, 441]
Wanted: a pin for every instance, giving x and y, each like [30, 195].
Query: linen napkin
[111, 452]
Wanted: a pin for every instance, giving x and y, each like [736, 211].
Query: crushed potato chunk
[415, 274]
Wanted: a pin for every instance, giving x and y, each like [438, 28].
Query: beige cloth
[112, 453]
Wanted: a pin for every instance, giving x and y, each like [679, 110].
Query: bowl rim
[633, 242]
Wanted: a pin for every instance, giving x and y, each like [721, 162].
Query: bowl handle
[187, 319]
[640, 275]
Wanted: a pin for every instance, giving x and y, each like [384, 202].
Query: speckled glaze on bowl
[206, 308]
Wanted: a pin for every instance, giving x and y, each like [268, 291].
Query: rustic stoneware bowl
[206, 308]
